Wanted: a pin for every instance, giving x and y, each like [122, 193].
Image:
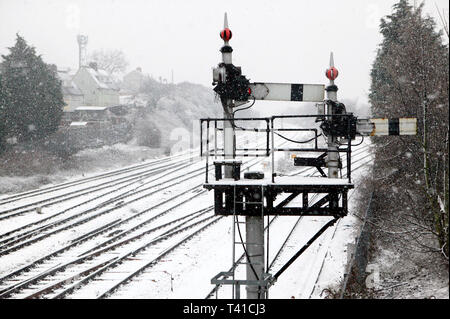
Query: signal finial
[331, 73]
[225, 34]
[225, 21]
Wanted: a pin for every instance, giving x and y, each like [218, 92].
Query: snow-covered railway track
[128, 180]
[20, 237]
[134, 185]
[58, 277]
[70, 222]
[49, 189]
[313, 262]
[147, 260]
[195, 191]
[109, 233]
[37, 230]
[83, 244]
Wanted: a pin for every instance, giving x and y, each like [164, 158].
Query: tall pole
[254, 228]
[254, 225]
[82, 43]
[229, 134]
[333, 155]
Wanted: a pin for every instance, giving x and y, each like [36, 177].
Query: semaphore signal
[255, 195]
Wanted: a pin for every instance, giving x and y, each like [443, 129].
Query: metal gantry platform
[241, 195]
[253, 196]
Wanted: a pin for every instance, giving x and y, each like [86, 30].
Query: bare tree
[444, 21]
[112, 61]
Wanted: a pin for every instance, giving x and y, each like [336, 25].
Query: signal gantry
[256, 196]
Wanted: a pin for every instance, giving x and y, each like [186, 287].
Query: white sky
[273, 41]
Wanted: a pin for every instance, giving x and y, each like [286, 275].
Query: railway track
[48, 189]
[42, 229]
[138, 175]
[16, 210]
[5, 281]
[314, 259]
[60, 273]
[21, 237]
[102, 250]
[115, 203]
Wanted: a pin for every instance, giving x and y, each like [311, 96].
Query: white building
[133, 80]
[97, 86]
[72, 95]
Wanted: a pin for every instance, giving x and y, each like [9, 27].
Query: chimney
[93, 65]
[53, 67]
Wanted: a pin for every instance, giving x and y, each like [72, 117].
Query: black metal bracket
[317, 162]
[303, 249]
[252, 200]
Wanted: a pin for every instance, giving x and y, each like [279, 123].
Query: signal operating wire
[299, 142]
[362, 140]
[245, 108]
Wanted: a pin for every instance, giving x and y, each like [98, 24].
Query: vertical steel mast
[333, 155]
[254, 225]
[227, 103]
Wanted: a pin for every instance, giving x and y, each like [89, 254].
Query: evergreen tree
[32, 96]
[410, 79]
[2, 117]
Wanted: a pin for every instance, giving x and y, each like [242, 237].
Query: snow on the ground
[85, 163]
[409, 275]
[190, 267]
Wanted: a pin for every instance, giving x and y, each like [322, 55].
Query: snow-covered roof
[68, 86]
[102, 79]
[90, 108]
[78, 123]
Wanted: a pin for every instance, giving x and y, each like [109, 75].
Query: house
[97, 86]
[132, 81]
[72, 95]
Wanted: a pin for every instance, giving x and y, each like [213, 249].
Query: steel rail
[80, 239]
[104, 229]
[26, 283]
[44, 190]
[63, 212]
[88, 190]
